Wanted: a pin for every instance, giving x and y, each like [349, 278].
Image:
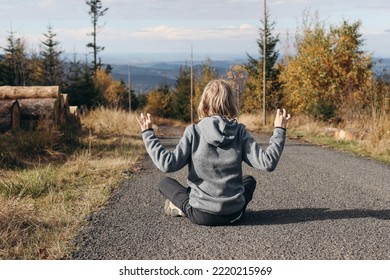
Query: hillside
[147, 76]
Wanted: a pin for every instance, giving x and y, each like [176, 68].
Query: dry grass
[18, 221]
[378, 138]
[370, 134]
[111, 121]
[24, 148]
[42, 207]
[169, 122]
[254, 122]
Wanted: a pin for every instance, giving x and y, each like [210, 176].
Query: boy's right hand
[281, 118]
[145, 122]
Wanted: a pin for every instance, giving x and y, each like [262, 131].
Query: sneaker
[171, 210]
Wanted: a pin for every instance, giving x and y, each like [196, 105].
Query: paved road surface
[318, 204]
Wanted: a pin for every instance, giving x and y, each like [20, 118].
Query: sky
[214, 28]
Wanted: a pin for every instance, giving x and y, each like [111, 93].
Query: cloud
[183, 9]
[198, 33]
[387, 30]
[163, 31]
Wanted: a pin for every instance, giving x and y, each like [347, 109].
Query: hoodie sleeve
[165, 160]
[267, 159]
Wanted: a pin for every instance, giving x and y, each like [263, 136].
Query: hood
[218, 131]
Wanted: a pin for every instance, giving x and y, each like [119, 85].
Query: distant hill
[381, 65]
[147, 76]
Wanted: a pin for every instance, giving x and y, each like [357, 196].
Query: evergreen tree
[81, 86]
[181, 98]
[4, 72]
[74, 81]
[15, 64]
[254, 67]
[52, 65]
[34, 70]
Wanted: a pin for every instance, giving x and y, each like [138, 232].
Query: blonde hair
[218, 99]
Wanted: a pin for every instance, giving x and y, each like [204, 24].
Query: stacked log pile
[24, 106]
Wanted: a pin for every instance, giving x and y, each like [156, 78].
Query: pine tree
[74, 81]
[81, 86]
[181, 97]
[3, 71]
[15, 64]
[52, 65]
[253, 88]
[34, 70]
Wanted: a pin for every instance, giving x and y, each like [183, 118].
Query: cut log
[74, 110]
[73, 117]
[64, 100]
[32, 109]
[13, 93]
[9, 115]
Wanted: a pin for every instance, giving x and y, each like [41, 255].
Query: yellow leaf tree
[110, 91]
[330, 74]
[159, 101]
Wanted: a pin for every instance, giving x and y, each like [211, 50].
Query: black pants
[179, 196]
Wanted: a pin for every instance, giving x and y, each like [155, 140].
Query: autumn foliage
[327, 76]
[330, 74]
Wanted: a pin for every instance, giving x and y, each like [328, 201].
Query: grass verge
[369, 134]
[44, 203]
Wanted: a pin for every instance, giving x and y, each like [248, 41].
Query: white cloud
[246, 27]
[175, 33]
[163, 31]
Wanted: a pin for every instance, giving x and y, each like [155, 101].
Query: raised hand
[145, 122]
[281, 118]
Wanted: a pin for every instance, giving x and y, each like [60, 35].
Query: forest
[323, 74]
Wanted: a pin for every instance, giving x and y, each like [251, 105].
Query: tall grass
[377, 140]
[111, 121]
[33, 182]
[254, 122]
[18, 221]
[371, 132]
[44, 203]
[46, 142]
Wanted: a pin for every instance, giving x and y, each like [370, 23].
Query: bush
[323, 110]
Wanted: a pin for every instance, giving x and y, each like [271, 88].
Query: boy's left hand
[145, 122]
[281, 118]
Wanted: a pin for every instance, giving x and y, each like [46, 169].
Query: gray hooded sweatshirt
[214, 150]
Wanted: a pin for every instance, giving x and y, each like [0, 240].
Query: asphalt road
[318, 204]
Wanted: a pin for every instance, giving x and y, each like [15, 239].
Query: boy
[213, 149]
